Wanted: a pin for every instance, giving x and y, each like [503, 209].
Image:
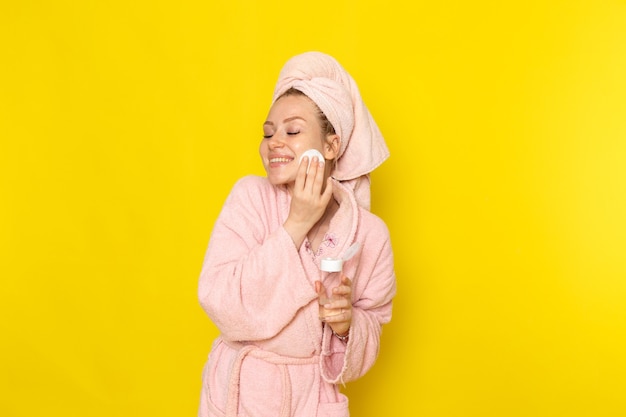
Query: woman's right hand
[309, 199]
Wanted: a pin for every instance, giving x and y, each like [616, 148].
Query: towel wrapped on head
[321, 78]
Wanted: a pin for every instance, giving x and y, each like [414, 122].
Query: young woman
[291, 333]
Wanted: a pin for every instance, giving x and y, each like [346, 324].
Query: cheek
[308, 143]
[262, 150]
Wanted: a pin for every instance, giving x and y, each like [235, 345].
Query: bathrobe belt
[232, 403]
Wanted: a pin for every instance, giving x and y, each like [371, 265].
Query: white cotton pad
[311, 153]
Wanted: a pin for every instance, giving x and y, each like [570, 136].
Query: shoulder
[251, 186]
[371, 221]
[251, 181]
[373, 231]
[249, 200]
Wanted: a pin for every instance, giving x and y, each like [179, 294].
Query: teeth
[273, 160]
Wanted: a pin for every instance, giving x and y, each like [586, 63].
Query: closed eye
[293, 133]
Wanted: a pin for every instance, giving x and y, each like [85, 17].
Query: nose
[275, 142]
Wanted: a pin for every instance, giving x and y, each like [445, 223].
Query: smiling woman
[293, 126]
[291, 333]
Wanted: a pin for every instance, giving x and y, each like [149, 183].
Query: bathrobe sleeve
[252, 282]
[373, 289]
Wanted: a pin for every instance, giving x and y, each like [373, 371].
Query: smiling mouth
[280, 160]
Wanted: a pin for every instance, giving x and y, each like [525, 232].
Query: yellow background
[123, 125]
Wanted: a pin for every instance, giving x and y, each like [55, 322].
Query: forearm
[241, 288]
[297, 230]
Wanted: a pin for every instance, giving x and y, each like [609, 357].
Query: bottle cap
[331, 264]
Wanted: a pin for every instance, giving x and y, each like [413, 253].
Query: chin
[277, 180]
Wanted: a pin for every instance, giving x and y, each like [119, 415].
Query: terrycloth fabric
[274, 357]
[335, 92]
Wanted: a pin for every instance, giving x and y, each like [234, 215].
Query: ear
[332, 146]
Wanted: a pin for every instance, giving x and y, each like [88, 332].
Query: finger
[319, 175]
[343, 287]
[301, 175]
[312, 174]
[336, 316]
[328, 191]
[343, 290]
[321, 293]
[339, 304]
[346, 281]
[338, 301]
[345, 317]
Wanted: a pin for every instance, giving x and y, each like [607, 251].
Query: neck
[319, 229]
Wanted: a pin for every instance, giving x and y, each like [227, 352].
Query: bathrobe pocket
[336, 409]
[214, 386]
[261, 388]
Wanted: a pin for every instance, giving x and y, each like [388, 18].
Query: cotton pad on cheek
[311, 153]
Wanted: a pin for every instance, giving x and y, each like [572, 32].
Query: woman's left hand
[336, 310]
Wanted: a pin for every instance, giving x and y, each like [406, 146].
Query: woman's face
[292, 127]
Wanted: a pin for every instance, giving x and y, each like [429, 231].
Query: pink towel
[335, 92]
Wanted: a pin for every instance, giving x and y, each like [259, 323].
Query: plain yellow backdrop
[124, 124]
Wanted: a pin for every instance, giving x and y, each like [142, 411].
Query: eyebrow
[289, 119]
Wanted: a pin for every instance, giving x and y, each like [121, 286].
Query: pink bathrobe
[274, 356]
